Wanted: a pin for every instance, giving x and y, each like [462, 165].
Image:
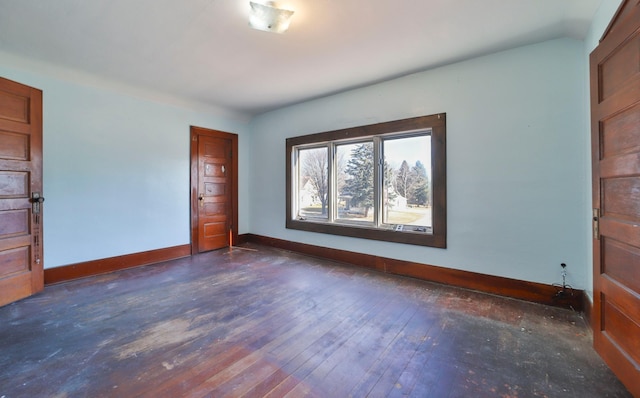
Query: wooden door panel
[622, 297]
[620, 166]
[215, 188]
[213, 150]
[14, 184]
[618, 133]
[618, 75]
[610, 106]
[619, 67]
[20, 287]
[21, 266]
[617, 326]
[621, 198]
[15, 105]
[215, 209]
[621, 262]
[621, 231]
[215, 229]
[14, 146]
[14, 261]
[615, 110]
[12, 243]
[215, 168]
[14, 223]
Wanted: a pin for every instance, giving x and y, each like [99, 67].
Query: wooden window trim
[437, 124]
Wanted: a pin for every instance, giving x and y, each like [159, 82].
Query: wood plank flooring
[269, 323]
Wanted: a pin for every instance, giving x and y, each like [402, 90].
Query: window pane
[355, 182]
[407, 177]
[313, 183]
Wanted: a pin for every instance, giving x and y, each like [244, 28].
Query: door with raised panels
[615, 124]
[214, 189]
[21, 209]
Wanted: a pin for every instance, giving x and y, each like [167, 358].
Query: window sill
[387, 235]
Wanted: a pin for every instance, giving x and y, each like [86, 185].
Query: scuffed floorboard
[272, 323]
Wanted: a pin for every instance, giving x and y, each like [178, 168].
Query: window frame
[436, 123]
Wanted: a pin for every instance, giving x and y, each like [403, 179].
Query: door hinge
[194, 138]
[596, 224]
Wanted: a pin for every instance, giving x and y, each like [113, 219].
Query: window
[385, 181]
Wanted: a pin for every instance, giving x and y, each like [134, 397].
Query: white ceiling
[203, 51]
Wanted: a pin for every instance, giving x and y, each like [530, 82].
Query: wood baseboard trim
[523, 290]
[242, 238]
[111, 264]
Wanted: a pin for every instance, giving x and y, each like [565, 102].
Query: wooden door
[213, 189]
[21, 261]
[615, 120]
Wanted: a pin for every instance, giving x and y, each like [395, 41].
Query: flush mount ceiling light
[269, 18]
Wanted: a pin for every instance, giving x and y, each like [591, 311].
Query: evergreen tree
[419, 193]
[359, 181]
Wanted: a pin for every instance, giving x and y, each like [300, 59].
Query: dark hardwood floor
[272, 323]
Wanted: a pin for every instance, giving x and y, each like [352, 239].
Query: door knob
[36, 199]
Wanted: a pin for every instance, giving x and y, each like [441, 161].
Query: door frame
[194, 133]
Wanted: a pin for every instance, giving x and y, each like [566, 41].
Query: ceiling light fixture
[269, 18]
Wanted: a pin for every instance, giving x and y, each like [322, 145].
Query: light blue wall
[116, 165]
[601, 20]
[116, 169]
[516, 138]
